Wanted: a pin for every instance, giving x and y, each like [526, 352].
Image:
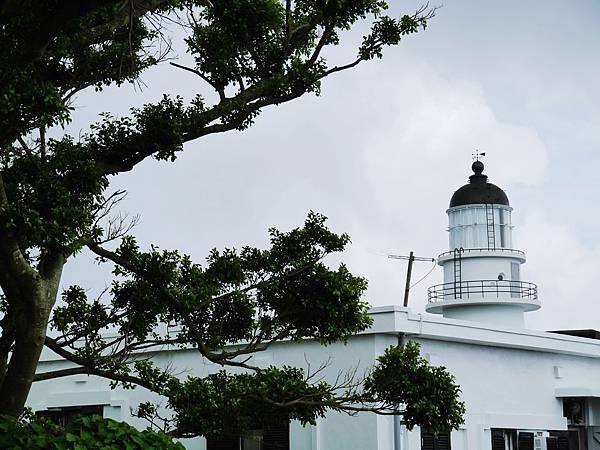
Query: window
[525, 440]
[573, 410]
[510, 439]
[272, 437]
[65, 415]
[223, 443]
[255, 441]
[502, 228]
[558, 443]
[437, 441]
[498, 440]
[563, 440]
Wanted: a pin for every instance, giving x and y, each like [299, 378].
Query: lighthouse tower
[482, 270]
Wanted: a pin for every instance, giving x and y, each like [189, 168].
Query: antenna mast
[410, 258]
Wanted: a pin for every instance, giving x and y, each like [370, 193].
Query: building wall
[337, 431]
[507, 315]
[503, 384]
[483, 268]
[509, 388]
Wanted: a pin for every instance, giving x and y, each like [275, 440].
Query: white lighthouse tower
[482, 272]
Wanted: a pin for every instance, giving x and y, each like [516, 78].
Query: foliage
[427, 393]
[85, 433]
[55, 201]
[236, 403]
[400, 382]
[251, 295]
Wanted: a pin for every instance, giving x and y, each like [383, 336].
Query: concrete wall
[337, 431]
[483, 267]
[507, 315]
[509, 379]
[508, 388]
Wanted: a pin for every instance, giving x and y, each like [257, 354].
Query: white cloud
[382, 164]
[566, 271]
[415, 156]
[383, 149]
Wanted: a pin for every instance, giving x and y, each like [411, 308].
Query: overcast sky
[381, 151]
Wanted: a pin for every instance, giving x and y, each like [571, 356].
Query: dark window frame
[64, 415]
[274, 437]
[436, 441]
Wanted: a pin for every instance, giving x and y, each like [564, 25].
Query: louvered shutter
[427, 440]
[551, 443]
[525, 441]
[498, 441]
[223, 444]
[277, 437]
[563, 443]
[442, 441]
[430, 441]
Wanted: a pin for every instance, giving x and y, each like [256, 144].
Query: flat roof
[395, 319]
[589, 333]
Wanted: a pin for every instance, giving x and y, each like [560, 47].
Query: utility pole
[410, 258]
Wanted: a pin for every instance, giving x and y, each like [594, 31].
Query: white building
[523, 389]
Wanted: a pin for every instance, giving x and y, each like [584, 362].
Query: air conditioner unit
[532, 439]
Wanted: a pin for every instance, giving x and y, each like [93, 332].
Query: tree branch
[61, 373]
[327, 32]
[218, 89]
[86, 368]
[13, 264]
[218, 358]
[335, 69]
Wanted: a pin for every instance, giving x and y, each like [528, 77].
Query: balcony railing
[481, 250]
[482, 289]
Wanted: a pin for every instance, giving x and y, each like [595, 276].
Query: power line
[424, 276]
[410, 258]
[414, 258]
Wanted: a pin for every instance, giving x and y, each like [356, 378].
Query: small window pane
[438, 441]
[253, 442]
[66, 415]
[232, 443]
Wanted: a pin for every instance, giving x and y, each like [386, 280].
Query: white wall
[508, 388]
[336, 431]
[503, 384]
[468, 226]
[482, 268]
[507, 315]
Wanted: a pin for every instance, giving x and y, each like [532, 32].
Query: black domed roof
[479, 190]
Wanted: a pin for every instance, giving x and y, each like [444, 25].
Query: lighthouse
[482, 271]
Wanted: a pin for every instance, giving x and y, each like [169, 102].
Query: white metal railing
[482, 289]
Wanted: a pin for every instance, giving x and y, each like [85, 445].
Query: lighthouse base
[511, 316]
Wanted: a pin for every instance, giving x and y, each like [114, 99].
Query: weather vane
[477, 154]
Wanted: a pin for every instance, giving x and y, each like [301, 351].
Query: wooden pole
[411, 258]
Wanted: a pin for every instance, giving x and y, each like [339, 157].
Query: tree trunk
[30, 334]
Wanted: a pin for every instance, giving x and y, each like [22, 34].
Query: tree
[55, 201]
[89, 433]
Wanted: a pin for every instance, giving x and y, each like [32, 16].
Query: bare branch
[214, 85]
[24, 145]
[43, 142]
[60, 373]
[90, 369]
[327, 32]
